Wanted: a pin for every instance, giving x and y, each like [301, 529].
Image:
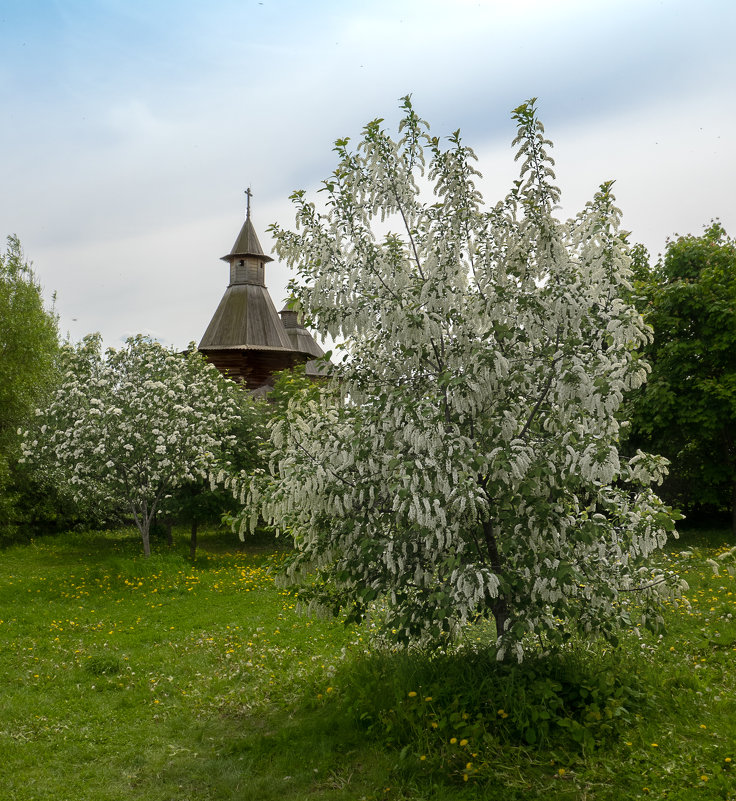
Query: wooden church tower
[246, 339]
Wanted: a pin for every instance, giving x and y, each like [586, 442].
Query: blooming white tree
[464, 461]
[126, 427]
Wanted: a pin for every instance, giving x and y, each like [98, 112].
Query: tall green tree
[28, 346]
[687, 410]
[464, 461]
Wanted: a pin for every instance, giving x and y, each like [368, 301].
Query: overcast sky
[131, 128]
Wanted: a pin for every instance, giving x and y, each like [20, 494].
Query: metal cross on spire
[248, 194]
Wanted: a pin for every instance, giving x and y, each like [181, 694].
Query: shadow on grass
[704, 537]
[276, 755]
[109, 549]
[425, 726]
[706, 529]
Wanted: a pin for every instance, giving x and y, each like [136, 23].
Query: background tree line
[137, 434]
[687, 409]
[685, 412]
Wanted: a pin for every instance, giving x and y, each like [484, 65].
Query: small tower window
[242, 262]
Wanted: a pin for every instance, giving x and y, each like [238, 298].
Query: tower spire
[246, 339]
[247, 243]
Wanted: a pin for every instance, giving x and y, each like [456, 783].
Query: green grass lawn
[159, 679]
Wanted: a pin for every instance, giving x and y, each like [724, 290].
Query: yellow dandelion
[428, 698]
[465, 777]
[422, 758]
[453, 740]
[412, 694]
[463, 742]
[561, 772]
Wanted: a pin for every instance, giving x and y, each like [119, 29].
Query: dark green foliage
[198, 503]
[288, 386]
[28, 347]
[455, 704]
[687, 410]
[41, 506]
[201, 502]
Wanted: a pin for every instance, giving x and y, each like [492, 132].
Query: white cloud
[133, 130]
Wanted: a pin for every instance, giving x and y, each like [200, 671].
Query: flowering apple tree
[464, 461]
[127, 427]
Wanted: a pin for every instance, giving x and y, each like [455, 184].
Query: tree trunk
[145, 536]
[193, 540]
[500, 606]
[501, 615]
[143, 521]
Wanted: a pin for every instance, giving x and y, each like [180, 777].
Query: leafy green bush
[455, 709]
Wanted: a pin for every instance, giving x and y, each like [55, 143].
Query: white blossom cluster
[464, 461]
[128, 426]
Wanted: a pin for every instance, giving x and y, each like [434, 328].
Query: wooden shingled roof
[246, 319]
[246, 339]
[300, 339]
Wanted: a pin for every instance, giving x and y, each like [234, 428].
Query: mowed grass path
[159, 679]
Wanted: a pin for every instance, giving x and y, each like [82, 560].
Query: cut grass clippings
[164, 679]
